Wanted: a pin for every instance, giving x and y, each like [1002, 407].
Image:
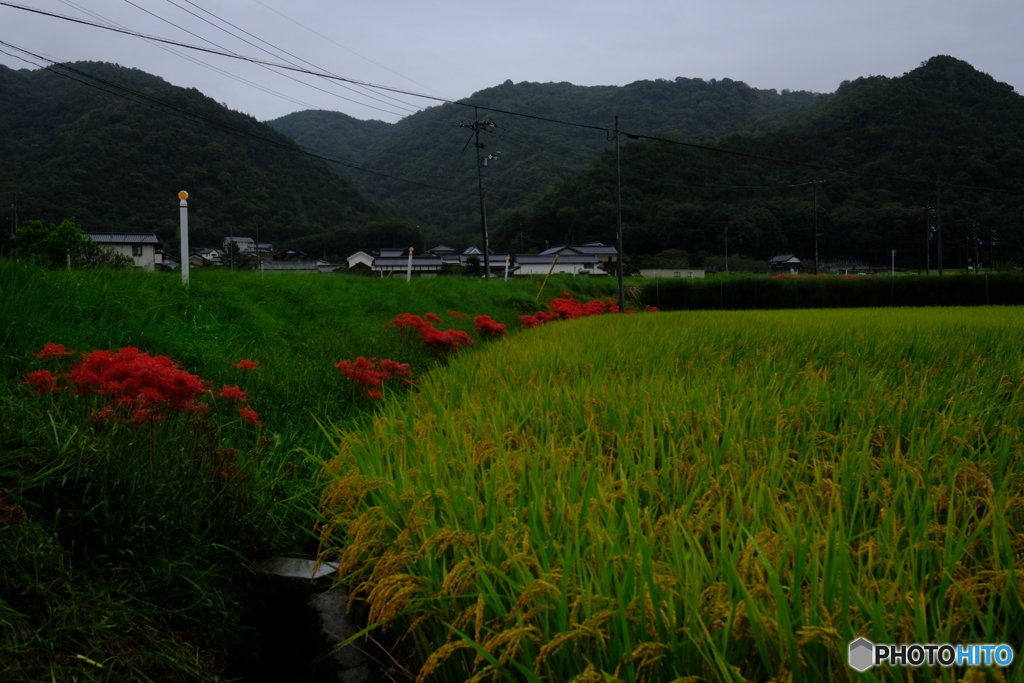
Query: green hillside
[112, 146]
[430, 148]
[878, 144]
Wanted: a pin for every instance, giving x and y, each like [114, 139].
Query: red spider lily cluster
[138, 387]
[565, 307]
[52, 351]
[371, 373]
[434, 338]
[489, 327]
[247, 365]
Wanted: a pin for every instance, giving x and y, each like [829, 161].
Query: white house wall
[544, 268]
[148, 260]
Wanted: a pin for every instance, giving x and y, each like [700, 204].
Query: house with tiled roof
[593, 258]
[140, 247]
[243, 244]
[784, 263]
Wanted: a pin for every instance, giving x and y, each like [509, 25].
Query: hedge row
[760, 292]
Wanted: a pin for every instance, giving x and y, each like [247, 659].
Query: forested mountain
[112, 146]
[880, 145]
[425, 164]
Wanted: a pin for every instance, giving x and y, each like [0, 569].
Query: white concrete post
[183, 210]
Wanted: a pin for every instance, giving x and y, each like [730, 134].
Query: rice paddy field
[694, 496]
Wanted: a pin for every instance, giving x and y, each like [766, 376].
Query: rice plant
[694, 497]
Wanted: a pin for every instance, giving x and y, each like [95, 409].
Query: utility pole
[815, 184]
[727, 250]
[618, 201]
[938, 218]
[481, 161]
[928, 212]
[977, 253]
[991, 247]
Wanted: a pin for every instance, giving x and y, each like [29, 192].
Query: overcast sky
[453, 48]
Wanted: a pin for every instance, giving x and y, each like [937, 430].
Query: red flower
[432, 317]
[488, 327]
[371, 373]
[52, 350]
[251, 415]
[41, 382]
[432, 337]
[233, 392]
[456, 314]
[247, 365]
[395, 369]
[134, 380]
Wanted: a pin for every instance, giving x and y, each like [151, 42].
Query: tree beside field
[62, 244]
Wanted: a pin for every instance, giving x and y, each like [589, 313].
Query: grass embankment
[722, 496]
[123, 547]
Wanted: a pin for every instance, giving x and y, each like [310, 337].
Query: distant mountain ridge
[112, 146]
[430, 147]
[117, 162]
[880, 148]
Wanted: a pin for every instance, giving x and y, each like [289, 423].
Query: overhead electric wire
[334, 42]
[197, 62]
[606, 130]
[287, 67]
[174, 110]
[410, 108]
[232, 53]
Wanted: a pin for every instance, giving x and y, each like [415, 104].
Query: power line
[247, 42]
[180, 112]
[195, 61]
[606, 130]
[343, 47]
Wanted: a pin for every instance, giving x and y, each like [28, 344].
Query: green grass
[123, 548]
[694, 496]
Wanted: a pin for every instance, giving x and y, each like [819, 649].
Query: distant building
[140, 247]
[784, 263]
[298, 266]
[584, 259]
[433, 262]
[165, 261]
[593, 258]
[243, 244]
[291, 255]
[672, 272]
[201, 258]
[360, 263]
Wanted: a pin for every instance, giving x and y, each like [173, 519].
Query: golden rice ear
[389, 596]
[438, 657]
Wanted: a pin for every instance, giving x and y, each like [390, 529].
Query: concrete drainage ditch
[299, 618]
